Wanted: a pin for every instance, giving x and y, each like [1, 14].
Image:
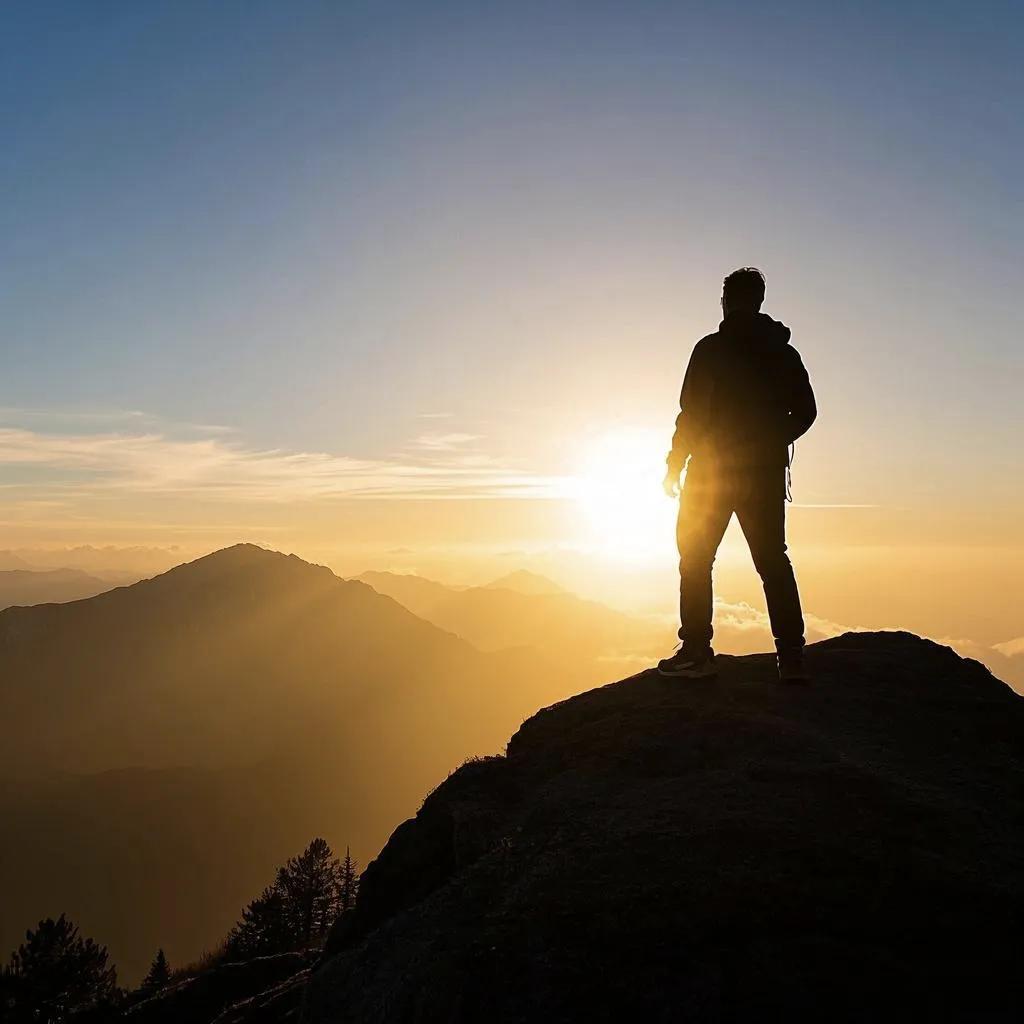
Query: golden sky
[418, 291]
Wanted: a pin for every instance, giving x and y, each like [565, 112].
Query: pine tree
[310, 886]
[55, 972]
[348, 886]
[298, 909]
[159, 973]
[262, 929]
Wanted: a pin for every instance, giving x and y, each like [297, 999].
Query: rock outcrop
[730, 850]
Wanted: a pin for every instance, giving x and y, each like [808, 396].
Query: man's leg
[704, 513]
[762, 515]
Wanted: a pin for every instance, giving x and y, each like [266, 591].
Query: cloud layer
[444, 465]
[742, 629]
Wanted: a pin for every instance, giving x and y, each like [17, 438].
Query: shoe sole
[693, 673]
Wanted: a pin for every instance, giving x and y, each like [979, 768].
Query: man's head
[743, 291]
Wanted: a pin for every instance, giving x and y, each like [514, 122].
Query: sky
[414, 285]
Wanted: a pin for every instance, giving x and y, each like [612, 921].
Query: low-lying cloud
[742, 629]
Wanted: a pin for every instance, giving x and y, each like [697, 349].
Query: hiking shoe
[685, 664]
[791, 666]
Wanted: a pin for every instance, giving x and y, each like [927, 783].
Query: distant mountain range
[122, 564]
[164, 745]
[27, 587]
[526, 610]
[9, 560]
[523, 582]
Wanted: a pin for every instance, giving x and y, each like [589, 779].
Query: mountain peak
[246, 560]
[244, 553]
[9, 560]
[525, 582]
[736, 848]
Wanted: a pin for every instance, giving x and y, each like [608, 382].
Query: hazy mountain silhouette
[9, 560]
[660, 850]
[214, 660]
[28, 587]
[524, 582]
[417, 593]
[107, 562]
[164, 745]
[523, 609]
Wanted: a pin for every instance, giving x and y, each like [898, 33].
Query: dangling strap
[790, 456]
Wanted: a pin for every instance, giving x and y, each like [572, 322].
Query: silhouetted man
[746, 398]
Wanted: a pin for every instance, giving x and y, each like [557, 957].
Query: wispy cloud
[435, 466]
[450, 442]
[23, 413]
[115, 419]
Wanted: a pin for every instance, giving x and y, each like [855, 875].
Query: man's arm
[803, 410]
[692, 399]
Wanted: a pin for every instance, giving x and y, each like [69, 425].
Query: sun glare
[618, 486]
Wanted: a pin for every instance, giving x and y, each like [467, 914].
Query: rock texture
[730, 850]
[267, 989]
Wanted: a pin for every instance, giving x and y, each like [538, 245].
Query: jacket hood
[758, 327]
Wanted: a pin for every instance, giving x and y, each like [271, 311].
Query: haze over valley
[214, 717]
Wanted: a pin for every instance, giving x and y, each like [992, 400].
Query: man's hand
[671, 483]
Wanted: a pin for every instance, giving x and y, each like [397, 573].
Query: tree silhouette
[298, 909]
[262, 929]
[310, 886]
[348, 885]
[56, 972]
[159, 973]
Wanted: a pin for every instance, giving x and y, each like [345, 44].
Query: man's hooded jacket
[746, 398]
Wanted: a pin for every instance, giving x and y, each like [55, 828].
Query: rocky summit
[727, 850]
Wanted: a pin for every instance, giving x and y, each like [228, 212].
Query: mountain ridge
[496, 617]
[28, 587]
[523, 581]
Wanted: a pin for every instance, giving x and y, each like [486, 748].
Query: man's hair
[744, 288]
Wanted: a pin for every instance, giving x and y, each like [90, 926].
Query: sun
[624, 511]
